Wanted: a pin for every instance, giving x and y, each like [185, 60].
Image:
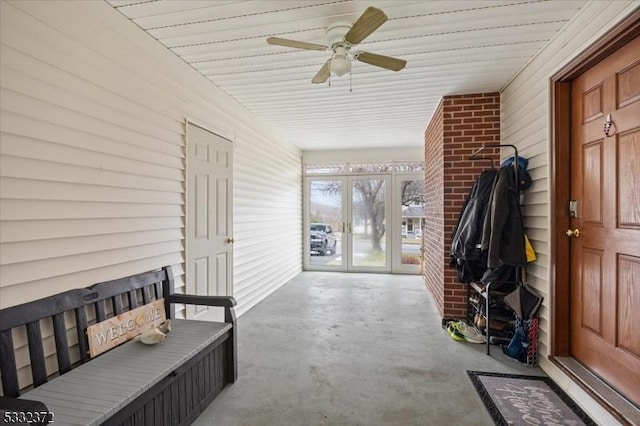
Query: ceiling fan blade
[382, 61]
[323, 74]
[367, 23]
[296, 44]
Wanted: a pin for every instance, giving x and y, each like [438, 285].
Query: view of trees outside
[367, 222]
[326, 202]
[412, 191]
[369, 210]
[368, 225]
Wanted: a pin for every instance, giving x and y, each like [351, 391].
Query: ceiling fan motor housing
[336, 32]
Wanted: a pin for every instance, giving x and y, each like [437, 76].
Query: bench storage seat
[169, 383]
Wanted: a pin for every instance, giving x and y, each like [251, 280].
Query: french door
[347, 223]
[366, 223]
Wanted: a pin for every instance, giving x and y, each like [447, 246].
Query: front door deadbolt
[573, 208]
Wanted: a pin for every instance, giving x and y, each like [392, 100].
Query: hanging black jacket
[503, 232]
[466, 255]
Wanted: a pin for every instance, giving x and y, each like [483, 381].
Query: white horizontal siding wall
[267, 218]
[92, 157]
[526, 119]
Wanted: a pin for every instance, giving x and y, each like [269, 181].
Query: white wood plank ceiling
[451, 47]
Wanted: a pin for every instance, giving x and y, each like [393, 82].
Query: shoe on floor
[454, 331]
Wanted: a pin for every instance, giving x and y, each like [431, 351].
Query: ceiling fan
[340, 37]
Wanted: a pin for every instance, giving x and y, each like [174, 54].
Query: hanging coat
[466, 255]
[503, 231]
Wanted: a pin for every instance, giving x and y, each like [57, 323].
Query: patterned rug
[513, 399]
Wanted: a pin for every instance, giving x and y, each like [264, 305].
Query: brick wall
[461, 125]
[433, 234]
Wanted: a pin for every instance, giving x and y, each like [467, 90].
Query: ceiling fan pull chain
[350, 90]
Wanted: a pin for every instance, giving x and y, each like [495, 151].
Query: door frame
[560, 175]
[213, 314]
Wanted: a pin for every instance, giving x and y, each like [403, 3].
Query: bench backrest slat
[168, 288]
[93, 298]
[101, 310]
[8, 369]
[36, 353]
[133, 299]
[117, 304]
[81, 325]
[62, 343]
[146, 295]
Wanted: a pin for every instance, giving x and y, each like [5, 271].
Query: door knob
[573, 232]
[230, 240]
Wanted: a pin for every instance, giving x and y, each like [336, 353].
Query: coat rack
[515, 159]
[517, 269]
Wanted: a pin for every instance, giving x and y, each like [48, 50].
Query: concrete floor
[353, 349]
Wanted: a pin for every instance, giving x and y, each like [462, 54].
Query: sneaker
[446, 321]
[471, 334]
[453, 329]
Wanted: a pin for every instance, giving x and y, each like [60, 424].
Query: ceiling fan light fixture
[339, 65]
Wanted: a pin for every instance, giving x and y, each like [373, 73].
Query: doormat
[513, 399]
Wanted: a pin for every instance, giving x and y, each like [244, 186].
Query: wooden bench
[169, 383]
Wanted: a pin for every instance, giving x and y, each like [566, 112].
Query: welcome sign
[124, 327]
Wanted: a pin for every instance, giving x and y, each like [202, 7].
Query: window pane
[369, 222]
[325, 222]
[412, 199]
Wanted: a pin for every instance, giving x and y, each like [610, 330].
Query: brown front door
[605, 240]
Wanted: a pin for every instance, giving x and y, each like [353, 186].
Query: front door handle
[573, 232]
[230, 240]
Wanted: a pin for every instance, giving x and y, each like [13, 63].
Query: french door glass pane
[368, 222]
[412, 200]
[325, 222]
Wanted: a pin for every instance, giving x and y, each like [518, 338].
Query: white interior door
[209, 219]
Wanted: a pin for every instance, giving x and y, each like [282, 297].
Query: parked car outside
[322, 238]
